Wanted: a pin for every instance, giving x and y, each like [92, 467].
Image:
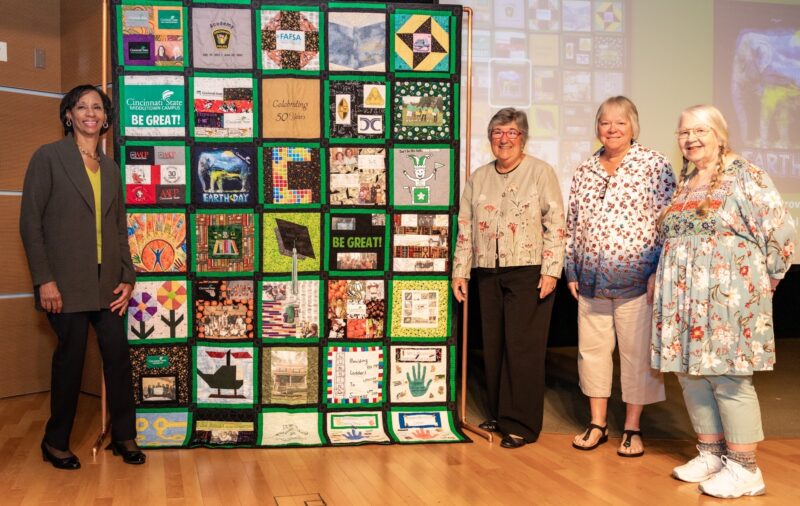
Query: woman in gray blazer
[73, 227]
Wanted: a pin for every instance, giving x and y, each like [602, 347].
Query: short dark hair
[71, 99]
[506, 116]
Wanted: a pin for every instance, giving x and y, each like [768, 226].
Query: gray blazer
[57, 225]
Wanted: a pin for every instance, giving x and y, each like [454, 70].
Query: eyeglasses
[700, 131]
[511, 134]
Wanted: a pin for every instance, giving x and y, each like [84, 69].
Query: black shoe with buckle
[71, 463]
[488, 425]
[129, 456]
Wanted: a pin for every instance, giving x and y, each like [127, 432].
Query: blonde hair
[712, 117]
[628, 108]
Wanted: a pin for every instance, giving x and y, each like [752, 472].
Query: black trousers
[515, 324]
[72, 330]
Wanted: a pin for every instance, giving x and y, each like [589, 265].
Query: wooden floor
[548, 472]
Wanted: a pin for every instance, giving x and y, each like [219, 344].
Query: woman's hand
[774, 283]
[50, 297]
[460, 289]
[573, 288]
[651, 288]
[120, 304]
[546, 285]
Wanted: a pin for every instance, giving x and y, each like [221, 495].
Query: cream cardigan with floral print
[520, 214]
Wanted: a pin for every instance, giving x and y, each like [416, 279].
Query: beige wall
[69, 32]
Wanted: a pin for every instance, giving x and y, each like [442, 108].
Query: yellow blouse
[94, 178]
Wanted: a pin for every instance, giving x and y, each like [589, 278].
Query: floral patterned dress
[713, 300]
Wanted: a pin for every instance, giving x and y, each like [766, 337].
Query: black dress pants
[515, 324]
[72, 330]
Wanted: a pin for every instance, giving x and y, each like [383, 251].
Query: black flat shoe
[488, 425]
[71, 463]
[134, 457]
[510, 441]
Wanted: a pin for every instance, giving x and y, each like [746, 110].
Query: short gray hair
[628, 108]
[506, 116]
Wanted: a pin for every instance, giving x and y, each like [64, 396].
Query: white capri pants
[602, 323]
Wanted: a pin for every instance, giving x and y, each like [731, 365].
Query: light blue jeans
[723, 405]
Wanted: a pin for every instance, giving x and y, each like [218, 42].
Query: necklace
[93, 156]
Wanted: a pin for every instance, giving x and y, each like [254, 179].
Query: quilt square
[225, 375]
[224, 242]
[224, 309]
[420, 309]
[423, 425]
[357, 41]
[290, 234]
[168, 362]
[223, 107]
[290, 375]
[356, 308]
[157, 240]
[422, 177]
[290, 39]
[509, 14]
[224, 428]
[153, 106]
[354, 375]
[577, 50]
[609, 52]
[159, 310]
[544, 15]
[291, 108]
[224, 176]
[510, 85]
[162, 427]
[357, 109]
[358, 176]
[421, 242]
[422, 110]
[151, 36]
[421, 42]
[607, 16]
[292, 175]
[576, 16]
[222, 38]
[290, 311]
[355, 427]
[418, 374]
[154, 174]
[357, 242]
[291, 427]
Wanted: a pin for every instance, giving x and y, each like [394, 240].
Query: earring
[69, 122]
[105, 124]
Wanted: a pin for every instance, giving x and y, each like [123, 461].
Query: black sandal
[627, 435]
[603, 438]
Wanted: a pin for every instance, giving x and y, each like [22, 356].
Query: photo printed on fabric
[152, 35]
[358, 176]
[291, 311]
[356, 309]
[224, 309]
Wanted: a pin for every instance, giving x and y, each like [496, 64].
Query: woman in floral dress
[728, 241]
[511, 230]
[616, 197]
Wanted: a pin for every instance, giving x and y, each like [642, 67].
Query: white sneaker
[700, 468]
[734, 481]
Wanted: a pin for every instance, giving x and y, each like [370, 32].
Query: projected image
[557, 60]
[757, 87]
